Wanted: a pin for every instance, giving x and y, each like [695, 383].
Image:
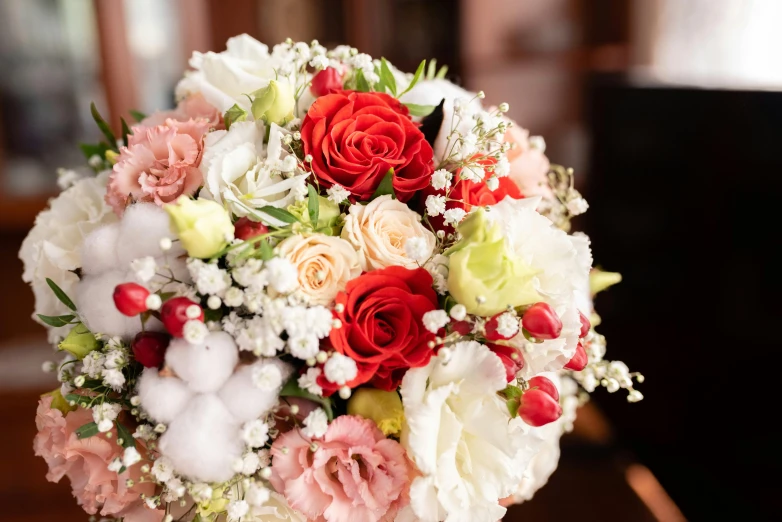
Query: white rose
[243, 174]
[53, 247]
[460, 435]
[379, 231]
[225, 78]
[325, 264]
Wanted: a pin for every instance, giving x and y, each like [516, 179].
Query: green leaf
[93, 149]
[361, 83]
[313, 205]
[416, 78]
[387, 77]
[127, 437]
[60, 320]
[266, 250]
[386, 186]
[137, 115]
[442, 72]
[125, 131]
[420, 110]
[279, 213]
[432, 69]
[88, 430]
[513, 407]
[64, 299]
[233, 115]
[512, 392]
[104, 127]
[291, 389]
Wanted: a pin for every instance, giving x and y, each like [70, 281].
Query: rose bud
[177, 311]
[544, 384]
[245, 229]
[585, 325]
[541, 321]
[579, 360]
[131, 299]
[538, 408]
[326, 81]
[149, 348]
[491, 333]
[511, 359]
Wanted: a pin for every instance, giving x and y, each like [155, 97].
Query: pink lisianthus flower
[159, 164]
[528, 166]
[85, 463]
[354, 474]
[193, 107]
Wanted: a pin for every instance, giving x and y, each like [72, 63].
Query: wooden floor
[589, 486]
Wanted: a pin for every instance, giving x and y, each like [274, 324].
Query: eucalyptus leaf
[386, 186]
[94, 149]
[420, 110]
[64, 299]
[279, 213]
[56, 321]
[103, 126]
[387, 77]
[86, 431]
[313, 205]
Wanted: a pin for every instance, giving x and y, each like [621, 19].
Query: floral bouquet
[320, 289]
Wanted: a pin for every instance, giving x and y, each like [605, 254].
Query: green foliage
[420, 110]
[56, 321]
[233, 115]
[313, 205]
[87, 431]
[104, 128]
[291, 389]
[387, 80]
[125, 436]
[137, 115]
[279, 213]
[386, 186]
[64, 299]
[416, 77]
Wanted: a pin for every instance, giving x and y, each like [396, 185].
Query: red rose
[356, 137]
[382, 327]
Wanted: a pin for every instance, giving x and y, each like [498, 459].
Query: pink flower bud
[130, 298]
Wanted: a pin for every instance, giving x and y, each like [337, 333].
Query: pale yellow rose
[379, 231]
[325, 265]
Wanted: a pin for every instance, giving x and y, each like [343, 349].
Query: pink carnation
[194, 106]
[354, 474]
[85, 463]
[528, 167]
[159, 164]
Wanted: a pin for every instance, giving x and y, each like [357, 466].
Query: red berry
[511, 358]
[461, 327]
[326, 81]
[149, 348]
[544, 384]
[585, 325]
[541, 321]
[131, 298]
[174, 314]
[538, 408]
[245, 229]
[579, 360]
[491, 332]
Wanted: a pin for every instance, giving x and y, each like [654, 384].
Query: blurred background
[668, 110]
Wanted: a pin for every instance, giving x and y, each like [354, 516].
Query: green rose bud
[328, 215]
[599, 280]
[59, 402]
[484, 275]
[203, 226]
[79, 341]
[382, 407]
[274, 103]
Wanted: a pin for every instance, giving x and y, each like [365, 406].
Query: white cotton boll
[203, 441]
[142, 227]
[204, 366]
[242, 396]
[95, 301]
[163, 398]
[99, 251]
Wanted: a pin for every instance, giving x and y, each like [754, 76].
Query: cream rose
[325, 265]
[380, 230]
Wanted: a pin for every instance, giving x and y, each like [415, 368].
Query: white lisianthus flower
[562, 263]
[379, 231]
[243, 174]
[53, 247]
[225, 78]
[460, 435]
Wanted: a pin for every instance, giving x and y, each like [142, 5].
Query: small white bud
[153, 302]
[49, 366]
[504, 107]
[193, 312]
[458, 312]
[214, 302]
[344, 393]
[322, 357]
[135, 400]
[266, 473]
[165, 244]
[445, 355]
[79, 381]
